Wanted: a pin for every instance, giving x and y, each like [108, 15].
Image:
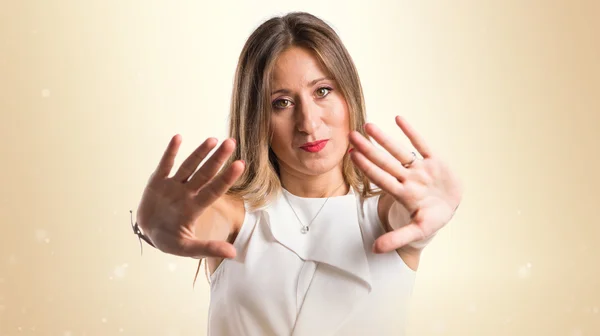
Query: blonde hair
[249, 119]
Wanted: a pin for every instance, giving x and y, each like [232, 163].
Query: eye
[282, 103]
[323, 91]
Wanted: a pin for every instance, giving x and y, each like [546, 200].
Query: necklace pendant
[304, 230]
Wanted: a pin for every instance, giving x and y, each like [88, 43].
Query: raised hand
[425, 187]
[171, 206]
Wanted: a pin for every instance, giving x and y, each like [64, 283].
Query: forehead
[297, 66]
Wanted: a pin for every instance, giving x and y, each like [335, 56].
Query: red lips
[315, 146]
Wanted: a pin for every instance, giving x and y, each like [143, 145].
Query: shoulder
[369, 204]
[377, 205]
[233, 209]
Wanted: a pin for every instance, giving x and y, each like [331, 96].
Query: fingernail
[350, 150]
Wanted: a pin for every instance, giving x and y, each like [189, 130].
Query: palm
[432, 216]
[426, 188]
[164, 205]
[171, 206]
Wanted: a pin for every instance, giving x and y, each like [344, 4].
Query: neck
[314, 186]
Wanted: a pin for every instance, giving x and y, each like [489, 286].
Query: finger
[210, 248]
[386, 162]
[198, 248]
[168, 158]
[211, 167]
[415, 138]
[189, 166]
[377, 175]
[219, 185]
[398, 238]
[396, 150]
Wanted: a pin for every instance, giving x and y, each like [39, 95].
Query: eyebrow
[313, 82]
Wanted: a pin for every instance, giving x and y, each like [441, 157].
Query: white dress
[325, 282]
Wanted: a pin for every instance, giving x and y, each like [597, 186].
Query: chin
[311, 164]
[317, 166]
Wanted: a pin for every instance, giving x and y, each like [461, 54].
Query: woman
[306, 227]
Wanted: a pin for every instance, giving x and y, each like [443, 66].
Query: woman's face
[309, 117]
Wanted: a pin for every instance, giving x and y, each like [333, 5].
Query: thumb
[396, 239]
[211, 248]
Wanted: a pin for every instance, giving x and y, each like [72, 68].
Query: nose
[308, 117]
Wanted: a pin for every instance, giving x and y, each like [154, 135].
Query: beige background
[91, 92]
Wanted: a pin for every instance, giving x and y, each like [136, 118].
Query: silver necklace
[304, 229]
